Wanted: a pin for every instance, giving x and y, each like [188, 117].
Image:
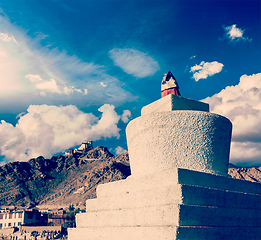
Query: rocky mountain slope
[252, 174]
[65, 180]
[61, 180]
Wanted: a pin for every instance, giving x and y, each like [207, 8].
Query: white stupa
[179, 187]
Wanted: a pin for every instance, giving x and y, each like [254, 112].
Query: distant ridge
[61, 180]
[65, 180]
[252, 174]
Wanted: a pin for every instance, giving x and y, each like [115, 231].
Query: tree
[71, 208]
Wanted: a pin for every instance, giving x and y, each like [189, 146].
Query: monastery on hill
[86, 146]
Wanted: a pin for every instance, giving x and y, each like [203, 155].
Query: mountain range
[65, 180]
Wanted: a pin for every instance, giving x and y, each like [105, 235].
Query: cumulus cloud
[206, 69]
[107, 125]
[233, 33]
[119, 150]
[134, 62]
[47, 129]
[125, 117]
[242, 105]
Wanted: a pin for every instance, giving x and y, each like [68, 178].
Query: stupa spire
[169, 85]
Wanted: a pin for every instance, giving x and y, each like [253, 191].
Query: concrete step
[176, 176]
[171, 215]
[166, 233]
[176, 194]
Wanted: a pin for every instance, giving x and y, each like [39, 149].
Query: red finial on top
[169, 85]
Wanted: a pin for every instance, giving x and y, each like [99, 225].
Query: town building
[65, 221]
[16, 218]
[59, 217]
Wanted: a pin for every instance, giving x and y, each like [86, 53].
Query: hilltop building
[85, 146]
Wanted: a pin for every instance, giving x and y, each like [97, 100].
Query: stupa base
[172, 204]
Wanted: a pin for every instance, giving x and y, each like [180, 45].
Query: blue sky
[75, 70]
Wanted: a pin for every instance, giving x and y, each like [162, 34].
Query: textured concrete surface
[166, 233]
[176, 176]
[174, 204]
[181, 204]
[197, 201]
[183, 139]
[173, 102]
[127, 233]
[179, 187]
[176, 194]
[172, 215]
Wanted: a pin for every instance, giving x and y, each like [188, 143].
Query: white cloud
[103, 84]
[206, 69]
[125, 117]
[119, 150]
[242, 105]
[8, 74]
[4, 37]
[46, 130]
[247, 153]
[43, 94]
[134, 62]
[61, 74]
[234, 33]
[34, 78]
[107, 125]
[3, 54]
[71, 89]
[51, 86]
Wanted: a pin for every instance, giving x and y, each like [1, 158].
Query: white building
[10, 218]
[86, 145]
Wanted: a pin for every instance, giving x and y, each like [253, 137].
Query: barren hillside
[65, 180]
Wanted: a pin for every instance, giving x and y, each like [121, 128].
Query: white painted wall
[11, 219]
